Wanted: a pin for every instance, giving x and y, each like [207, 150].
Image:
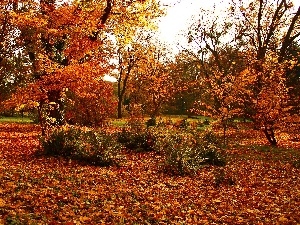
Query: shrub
[87, 146]
[13, 220]
[135, 124]
[210, 140]
[138, 141]
[206, 122]
[187, 152]
[134, 136]
[211, 145]
[151, 122]
[61, 141]
[178, 155]
[98, 148]
[161, 135]
[213, 157]
[183, 124]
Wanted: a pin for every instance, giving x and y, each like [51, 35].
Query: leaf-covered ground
[260, 185]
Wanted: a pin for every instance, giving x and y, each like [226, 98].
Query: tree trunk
[119, 108]
[41, 119]
[225, 126]
[57, 110]
[269, 132]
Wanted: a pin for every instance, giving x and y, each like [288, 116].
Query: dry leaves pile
[40, 190]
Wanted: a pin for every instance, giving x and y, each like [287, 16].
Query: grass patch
[17, 119]
[176, 118]
[164, 119]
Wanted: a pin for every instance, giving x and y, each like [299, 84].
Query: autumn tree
[220, 59]
[153, 85]
[47, 35]
[129, 36]
[267, 31]
[255, 39]
[127, 60]
[7, 28]
[65, 45]
[185, 73]
[90, 104]
[13, 67]
[293, 78]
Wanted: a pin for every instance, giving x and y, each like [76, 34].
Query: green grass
[180, 117]
[174, 118]
[17, 119]
[114, 122]
[119, 122]
[267, 153]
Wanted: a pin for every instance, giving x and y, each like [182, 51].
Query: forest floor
[259, 185]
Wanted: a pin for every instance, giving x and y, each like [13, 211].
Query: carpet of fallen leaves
[41, 190]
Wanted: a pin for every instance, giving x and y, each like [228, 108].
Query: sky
[174, 26]
[179, 18]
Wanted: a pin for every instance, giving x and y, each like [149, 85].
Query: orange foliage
[91, 104]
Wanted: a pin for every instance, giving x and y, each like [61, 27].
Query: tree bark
[269, 133]
[120, 108]
[57, 110]
[288, 40]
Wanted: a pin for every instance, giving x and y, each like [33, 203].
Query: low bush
[151, 122]
[212, 156]
[140, 141]
[187, 152]
[183, 124]
[206, 122]
[134, 136]
[63, 141]
[97, 148]
[135, 124]
[179, 155]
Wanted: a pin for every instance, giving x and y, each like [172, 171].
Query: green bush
[213, 157]
[13, 220]
[137, 141]
[98, 148]
[179, 157]
[209, 138]
[187, 152]
[87, 146]
[206, 122]
[135, 124]
[211, 145]
[161, 135]
[183, 124]
[151, 122]
[134, 136]
[61, 141]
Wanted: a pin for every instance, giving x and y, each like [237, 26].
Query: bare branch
[287, 41]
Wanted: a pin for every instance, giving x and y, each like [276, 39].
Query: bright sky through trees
[180, 14]
[173, 27]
